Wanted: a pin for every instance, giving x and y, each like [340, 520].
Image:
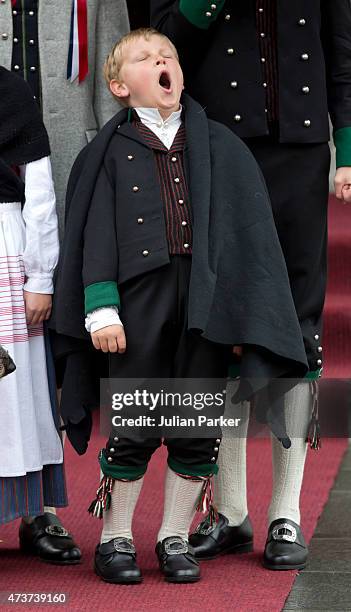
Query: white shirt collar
[152, 116]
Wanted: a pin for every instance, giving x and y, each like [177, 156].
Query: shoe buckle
[205, 528]
[284, 532]
[181, 550]
[56, 530]
[123, 545]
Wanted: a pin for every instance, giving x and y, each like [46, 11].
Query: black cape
[239, 290]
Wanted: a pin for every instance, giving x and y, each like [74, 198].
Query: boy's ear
[120, 90]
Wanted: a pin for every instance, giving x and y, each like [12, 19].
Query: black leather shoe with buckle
[211, 541]
[285, 547]
[115, 562]
[47, 539]
[177, 560]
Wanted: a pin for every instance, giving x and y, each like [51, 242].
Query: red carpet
[230, 583]
[337, 312]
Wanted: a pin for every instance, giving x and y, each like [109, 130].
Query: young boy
[169, 222]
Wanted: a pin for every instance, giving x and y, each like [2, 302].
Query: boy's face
[150, 76]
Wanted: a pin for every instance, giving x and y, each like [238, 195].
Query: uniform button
[307, 123]
[4, 36]
[234, 84]
[266, 110]
[230, 51]
[260, 10]
[184, 223]
[263, 59]
[32, 68]
[213, 459]
[118, 126]
[31, 13]
[145, 253]
[115, 439]
[112, 450]
[16, 67]
[140, 220]
[208, 14]
[306, 89]
[216, 449]
[305, 57]
[15, 40]
[218, 440]
[177, 180]
[213, 7]
[264, 84]
[316, 337]
[159, 124]
[135, 188]
[319, 362]
[237, 118]
[227, 17]
[31, 42]
[130, 157]
[109, 459]
[173, 159]
[14, 13]
[320, 349]
[262, 35]
[181, 202]
[186, 245]
[302, 22]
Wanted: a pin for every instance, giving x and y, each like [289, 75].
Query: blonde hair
[114, 60]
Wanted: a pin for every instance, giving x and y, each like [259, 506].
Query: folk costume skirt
[31, 454]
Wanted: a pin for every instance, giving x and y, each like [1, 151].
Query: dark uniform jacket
[314, 64]
[239, 289]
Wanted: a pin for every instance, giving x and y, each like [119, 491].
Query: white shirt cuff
[102, 317]
[39, 284]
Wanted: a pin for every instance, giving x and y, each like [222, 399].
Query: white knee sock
[288, 464]
[118, 518]
[50, 509]
[230, 483]
[181, 496]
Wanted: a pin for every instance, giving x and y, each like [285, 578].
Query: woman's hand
[38, 307]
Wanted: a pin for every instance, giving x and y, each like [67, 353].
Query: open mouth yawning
[165, 81]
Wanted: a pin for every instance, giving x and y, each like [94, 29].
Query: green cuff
[206, 469]
[314, 375]
[342, 141]
[201, 13]
[127, 472]
[98, 295]
[234, 372]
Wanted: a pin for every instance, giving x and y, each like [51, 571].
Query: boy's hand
[342, 184]
[110, 339]
[38, 307]
[238, 351]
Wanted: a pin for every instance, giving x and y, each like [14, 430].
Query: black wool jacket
[314, 64]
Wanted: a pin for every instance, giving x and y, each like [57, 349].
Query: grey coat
[72, 112]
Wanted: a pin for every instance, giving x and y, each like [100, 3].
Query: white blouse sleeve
[39, 213]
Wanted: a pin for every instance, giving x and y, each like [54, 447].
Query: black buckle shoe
[177, 560]
[285, 547]
[115, 562]
[47, 539]
[211, 541]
